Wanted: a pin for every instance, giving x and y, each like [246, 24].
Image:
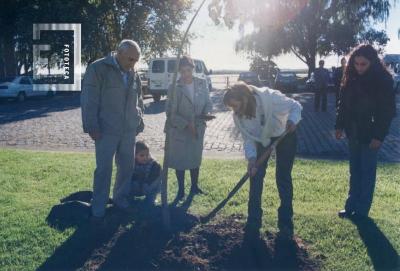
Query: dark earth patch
[137, 241]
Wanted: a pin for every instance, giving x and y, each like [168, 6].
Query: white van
[161, 72]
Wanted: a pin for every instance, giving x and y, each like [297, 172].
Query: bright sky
[216, 44]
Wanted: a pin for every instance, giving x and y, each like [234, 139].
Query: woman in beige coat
[187, 124]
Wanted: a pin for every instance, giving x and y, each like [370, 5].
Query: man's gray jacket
[108, 105]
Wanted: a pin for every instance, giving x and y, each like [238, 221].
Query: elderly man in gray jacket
[112, 109]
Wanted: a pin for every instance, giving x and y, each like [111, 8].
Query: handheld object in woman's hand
[207, 117]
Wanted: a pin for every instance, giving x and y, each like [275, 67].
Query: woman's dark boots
[180, 175]
[194, 176]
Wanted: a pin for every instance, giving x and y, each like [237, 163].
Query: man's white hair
[126, 44]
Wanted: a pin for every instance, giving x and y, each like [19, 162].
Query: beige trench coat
[186, 151]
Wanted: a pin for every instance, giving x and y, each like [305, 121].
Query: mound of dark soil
[137, 241]
[220, 246]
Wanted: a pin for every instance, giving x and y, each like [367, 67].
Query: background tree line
[306, 28]
[154, 24]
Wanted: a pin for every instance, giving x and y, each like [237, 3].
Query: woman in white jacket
[262, 115]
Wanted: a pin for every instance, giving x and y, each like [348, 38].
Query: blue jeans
[363, 162]
[285, 153]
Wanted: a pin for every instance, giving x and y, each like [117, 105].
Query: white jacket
[273, 111]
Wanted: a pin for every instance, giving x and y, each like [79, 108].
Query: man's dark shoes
[180, 195]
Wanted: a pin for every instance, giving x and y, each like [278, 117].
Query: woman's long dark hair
[241, 92]
[366, 50]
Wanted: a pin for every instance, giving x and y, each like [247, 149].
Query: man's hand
[95, 135]
[251, 167]
[192, 129]
[339, 134]
[290, 126]
[375, 144]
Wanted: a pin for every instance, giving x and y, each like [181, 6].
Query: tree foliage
[266, 69]
[304, 27]
[154, 24]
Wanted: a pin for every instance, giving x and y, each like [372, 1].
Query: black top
[366, 107]
[321, 77]
[338, 74]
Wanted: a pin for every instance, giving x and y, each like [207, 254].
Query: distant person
[146, 179]
[366, 109]
[112, 106]
[338, 75]
[321, 77]
[262, 115]
[187, 124]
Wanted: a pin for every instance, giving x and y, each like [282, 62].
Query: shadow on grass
[382, 253]
[137, 241]
[270, 253]
[127, 240]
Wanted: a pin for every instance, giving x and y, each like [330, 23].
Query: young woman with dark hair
[365, 111]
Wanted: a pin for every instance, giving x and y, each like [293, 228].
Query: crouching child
[146, 180]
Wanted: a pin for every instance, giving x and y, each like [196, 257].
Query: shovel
[260, 160]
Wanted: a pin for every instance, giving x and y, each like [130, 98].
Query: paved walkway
[55, 124]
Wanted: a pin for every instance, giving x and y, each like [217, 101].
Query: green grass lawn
[32, 182]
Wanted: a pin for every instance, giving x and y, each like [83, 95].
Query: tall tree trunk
[9, 54]
[48, 65]
[26, 63]
[2, 69]
[311, 64]
[2, 64]
[19, 68]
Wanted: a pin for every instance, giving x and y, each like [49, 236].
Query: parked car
[250, 78]
[289, 81]
[20, 88]
[392, 62]
[161, 72]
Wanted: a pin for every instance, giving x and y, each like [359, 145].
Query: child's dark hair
[141, 146]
